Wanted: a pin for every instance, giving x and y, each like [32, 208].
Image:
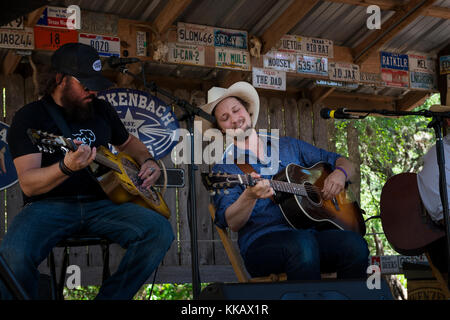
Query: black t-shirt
[103, 129]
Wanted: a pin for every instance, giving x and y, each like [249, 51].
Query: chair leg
[106, 270]
[54, 284]
[62, 276]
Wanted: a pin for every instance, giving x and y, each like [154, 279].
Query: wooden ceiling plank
[401, 18]
[285, 22]
[169, 14]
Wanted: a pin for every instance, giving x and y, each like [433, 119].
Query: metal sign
[141, 43]
[340, 71]
[8, 174]
[57, 17]
[52, 38]
[146, 117]
[394, 61]
[337, 84]
[228, 38]
[195, 34]
[370, 78]
[106, 46]
[15, 24]
[423, 80]
[444, 65]
[421, 64]
[395, 78]
[282, 61]
[186, 54]
[269, 79]
[99, 23]
[312, 65]
[317, 47]
[290, 43]
[232, 59]
[17, 39]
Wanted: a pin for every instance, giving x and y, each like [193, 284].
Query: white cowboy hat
[242, 90]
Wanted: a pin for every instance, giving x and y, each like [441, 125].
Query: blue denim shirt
[266, 216]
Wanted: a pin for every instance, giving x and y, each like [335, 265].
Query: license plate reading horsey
[17, 39]
[106, 46]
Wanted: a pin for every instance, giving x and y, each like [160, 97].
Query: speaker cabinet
[292, 290]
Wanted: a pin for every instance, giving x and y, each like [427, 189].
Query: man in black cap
[61, 197]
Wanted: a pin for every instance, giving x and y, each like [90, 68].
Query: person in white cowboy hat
[268, 244]
[428, 184]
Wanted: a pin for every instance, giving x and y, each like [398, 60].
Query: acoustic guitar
[120, 182]
[297, 192]
[406, 224]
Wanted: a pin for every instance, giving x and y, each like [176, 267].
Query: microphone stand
[436, 124]
[190, 112]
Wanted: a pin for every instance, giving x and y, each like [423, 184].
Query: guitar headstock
[49, 143]
[217, 181]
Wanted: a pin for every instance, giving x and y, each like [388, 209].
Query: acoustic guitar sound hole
[313, 194]
[132, 172]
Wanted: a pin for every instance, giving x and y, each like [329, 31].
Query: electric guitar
[406, 224]
[297, 192]
[120, 183]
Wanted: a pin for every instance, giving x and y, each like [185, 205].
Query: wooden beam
[318, 94]
[411, 100]
[12, 60]
[392, 5]
[169, 14]
[401, 18]
[285, 22]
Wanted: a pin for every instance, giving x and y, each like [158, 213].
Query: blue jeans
[41, 225]
[304, 254]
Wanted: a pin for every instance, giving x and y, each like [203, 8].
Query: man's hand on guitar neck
[81, 158]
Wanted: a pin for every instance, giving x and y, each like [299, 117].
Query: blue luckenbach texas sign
[8, 174]
[146, 117]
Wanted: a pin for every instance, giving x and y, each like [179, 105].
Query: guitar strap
[247, 169]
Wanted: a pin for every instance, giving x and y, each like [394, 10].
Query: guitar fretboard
[282, 186]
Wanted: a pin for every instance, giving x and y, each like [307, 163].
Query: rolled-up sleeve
[222, 201]
[310, 154]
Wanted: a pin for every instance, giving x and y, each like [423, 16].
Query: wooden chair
[441, 279]
[236, 259]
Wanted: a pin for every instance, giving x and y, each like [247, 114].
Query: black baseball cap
[82, 62]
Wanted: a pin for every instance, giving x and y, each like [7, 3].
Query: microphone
[340, 113]
[116, 61]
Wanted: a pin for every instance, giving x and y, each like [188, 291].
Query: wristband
[64, 168]
[148, 159]
[345, 173]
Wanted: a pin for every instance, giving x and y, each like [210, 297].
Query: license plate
[17, 39]
[232, 59]
[105, 46]
[53, 38]
[186, 54]
[312, 65]
[344, 72]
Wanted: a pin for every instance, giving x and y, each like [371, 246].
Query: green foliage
[387, 146]
[166, 291]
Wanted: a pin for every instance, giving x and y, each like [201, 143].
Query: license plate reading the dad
[17, 39]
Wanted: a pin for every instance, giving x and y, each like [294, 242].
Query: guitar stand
[190, 113]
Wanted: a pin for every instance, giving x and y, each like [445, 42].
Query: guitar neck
[282, 186]
[103, 160]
